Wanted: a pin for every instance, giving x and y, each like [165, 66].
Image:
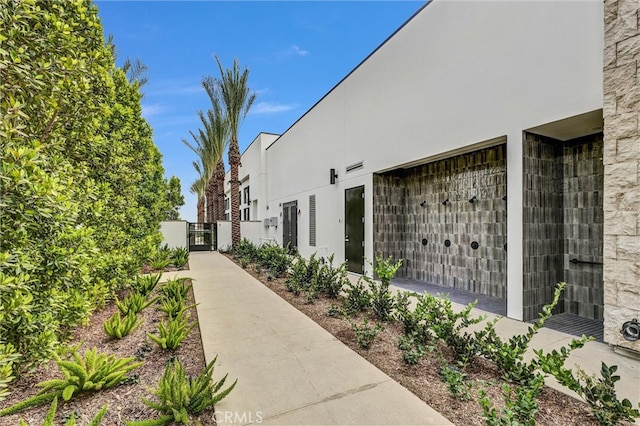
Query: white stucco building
[472, 144]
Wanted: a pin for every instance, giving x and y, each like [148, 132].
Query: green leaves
[173, 332]
[179, 395]
[81, 182]
[117, 327]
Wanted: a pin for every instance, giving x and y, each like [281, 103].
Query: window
[247, 199]
[226, 216]
[226, 202]
[245, 214]
[312, 220]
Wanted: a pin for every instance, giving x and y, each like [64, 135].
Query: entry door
[354, 229]
[290, 225]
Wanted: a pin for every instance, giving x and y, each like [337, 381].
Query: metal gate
[202, 236]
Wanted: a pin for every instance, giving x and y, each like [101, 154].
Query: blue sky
[296, 52]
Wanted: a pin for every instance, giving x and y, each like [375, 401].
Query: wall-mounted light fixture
[445, 202]
[332, 176]
[631, 330]
[422, 204]
[473, 199]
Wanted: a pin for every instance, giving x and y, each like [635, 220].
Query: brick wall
[621, 168]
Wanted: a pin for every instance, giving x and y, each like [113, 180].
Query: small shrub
[145, 284]
[274, 259]
[179, 395]
[508, 355]
[93, 372]
[117, 327]
[135, 303]
[173, 332]
[335, 311]
[330, 280]
[365, 333]
[358, 296]
[51, 414]
[179, 257]
[412, 349]
[520, 404]
[160, 260]
[8, 357]
[176, 288]
[456, 383]
[173, 307]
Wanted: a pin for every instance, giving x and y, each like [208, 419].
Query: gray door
[290, 225]
[354, 229]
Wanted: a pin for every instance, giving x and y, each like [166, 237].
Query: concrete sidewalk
[290, 370]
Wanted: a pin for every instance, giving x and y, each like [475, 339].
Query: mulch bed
[424, 379]
[124, 401]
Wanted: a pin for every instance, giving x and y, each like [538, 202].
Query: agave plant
[179, 395]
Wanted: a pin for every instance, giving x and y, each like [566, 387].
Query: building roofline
[427, 3]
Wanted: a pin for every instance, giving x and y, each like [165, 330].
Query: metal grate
[312, 220]
[577, 326]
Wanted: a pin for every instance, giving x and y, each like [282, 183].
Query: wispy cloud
[290, 52]
[271, 108]
[151, 110]
[295, 50]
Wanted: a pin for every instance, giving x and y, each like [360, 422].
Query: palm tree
[209, 146]
[237, 100]
[219, 130]
[198, 188]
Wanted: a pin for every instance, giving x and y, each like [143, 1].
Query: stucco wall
[621, 169]
[174, 233]
[457, 74]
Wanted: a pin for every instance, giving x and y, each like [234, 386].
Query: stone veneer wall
[542, 223]
[401, 223]
[621, 168]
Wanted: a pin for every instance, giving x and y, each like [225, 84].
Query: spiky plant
[179, 395]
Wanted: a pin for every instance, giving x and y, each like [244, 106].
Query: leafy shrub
[335, 311]
[365, 333]
[179, 256]
[331, 280]
[358, 296]
[117, 327]
[508, 355]
[246, 249]
[8, 356]
[455, 380]
[173, 332]
[93, 372]
[145, 284]
[134, 303]
[274, 259]
[520, 404]
[598, 392]
[179, 395]
[447, 325]
[412, 349]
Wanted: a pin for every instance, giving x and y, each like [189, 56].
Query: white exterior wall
[459, 73]
[174, 233]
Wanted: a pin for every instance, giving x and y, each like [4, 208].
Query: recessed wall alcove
[458, 206]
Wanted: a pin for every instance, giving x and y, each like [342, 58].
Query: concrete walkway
[291, 371]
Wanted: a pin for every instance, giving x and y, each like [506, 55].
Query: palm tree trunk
[220, 189]
[210, 200]
[201, 208]
[234, 163]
